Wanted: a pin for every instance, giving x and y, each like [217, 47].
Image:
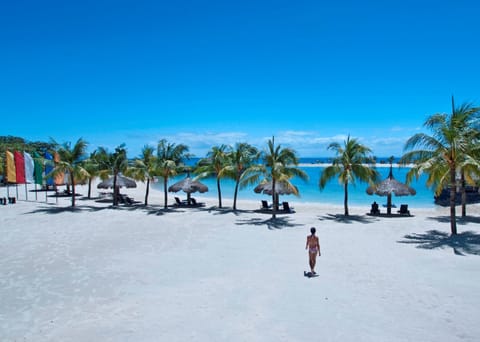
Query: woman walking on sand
[313, 247]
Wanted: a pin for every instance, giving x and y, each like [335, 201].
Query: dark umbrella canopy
[122, 182]
[188, 185]
[388, 186]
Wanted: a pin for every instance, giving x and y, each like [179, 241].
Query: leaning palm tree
[143, 168]
[112, 164]
[352, 161]
[446, 152]
[241, 167]
[213, 164]
[280, 166]
[170, 162]
[70, 163]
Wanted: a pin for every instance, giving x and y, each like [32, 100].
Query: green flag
[38, 169]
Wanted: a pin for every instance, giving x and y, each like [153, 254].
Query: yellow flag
[11, 172]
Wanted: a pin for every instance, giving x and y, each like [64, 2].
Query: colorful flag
[38, 169]
[19, 167]
[59, 177]
[29, 167]
[48, 168]
[11, 173]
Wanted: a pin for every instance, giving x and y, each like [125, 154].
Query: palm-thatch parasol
[122, 182]
[281, 188]
[188, 185]
[388, 186]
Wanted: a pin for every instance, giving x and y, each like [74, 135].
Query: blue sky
[204, 73]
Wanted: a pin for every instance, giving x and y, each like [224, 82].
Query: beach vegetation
[449, 154]
[143, 168]
[170, 162]
[112, 164]
[91, 165]
[280, 166]
[352, 161]
[242, 167]
[215, 161]
[70, 163]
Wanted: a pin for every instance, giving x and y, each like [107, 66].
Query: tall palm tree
[112, 164]
[170, 162]
[91, 166]
[143, 168]
[447, 151]
[213, 164]
[280, 166]
[70, 163]
[352, 161]
[241, 167]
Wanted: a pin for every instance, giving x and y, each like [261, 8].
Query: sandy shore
[136, 273]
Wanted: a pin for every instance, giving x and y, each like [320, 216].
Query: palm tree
[112, 164]
[91, 166]
[170, 161]
[447, 151]
[241, 168]
[70, 163]
[281, 165]
[351, 162]
[143, 168]
[213, 164]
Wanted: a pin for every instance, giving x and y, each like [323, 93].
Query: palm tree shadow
[270, 223]
[347, 219]
[460, 220]
[463, 243]
[58, 210]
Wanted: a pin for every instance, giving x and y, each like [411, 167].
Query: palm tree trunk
[235, 194]
[147, 191]
[72, 180]
[464, 195]
[89, 187]
[274, 200]
[345, 199]
[165, 195]
[115, 190]
[453, 195]
[219, 193]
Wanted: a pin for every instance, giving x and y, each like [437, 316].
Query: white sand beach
[138, 273]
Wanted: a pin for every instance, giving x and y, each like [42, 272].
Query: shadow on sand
[270, 223]
[348, 219]
[462, 244]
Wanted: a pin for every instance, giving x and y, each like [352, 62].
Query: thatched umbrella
[388, 186]
[188, 185]
[122, 182]
[281, 188]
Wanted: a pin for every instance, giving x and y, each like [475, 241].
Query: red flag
[19, 167]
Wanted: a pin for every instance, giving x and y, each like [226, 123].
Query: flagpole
[16, 188]
[26, 192]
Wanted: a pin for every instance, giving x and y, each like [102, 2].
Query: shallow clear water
[333, 193]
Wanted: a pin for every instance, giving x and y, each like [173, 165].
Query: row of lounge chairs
[285, 207]
[192, 202]
[375, 211]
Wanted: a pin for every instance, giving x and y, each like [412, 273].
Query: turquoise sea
[332, 194]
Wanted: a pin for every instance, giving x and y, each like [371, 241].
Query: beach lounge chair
[404, 210]
[265, 205]
[287, 208]
[374, 210]
[179, 202]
